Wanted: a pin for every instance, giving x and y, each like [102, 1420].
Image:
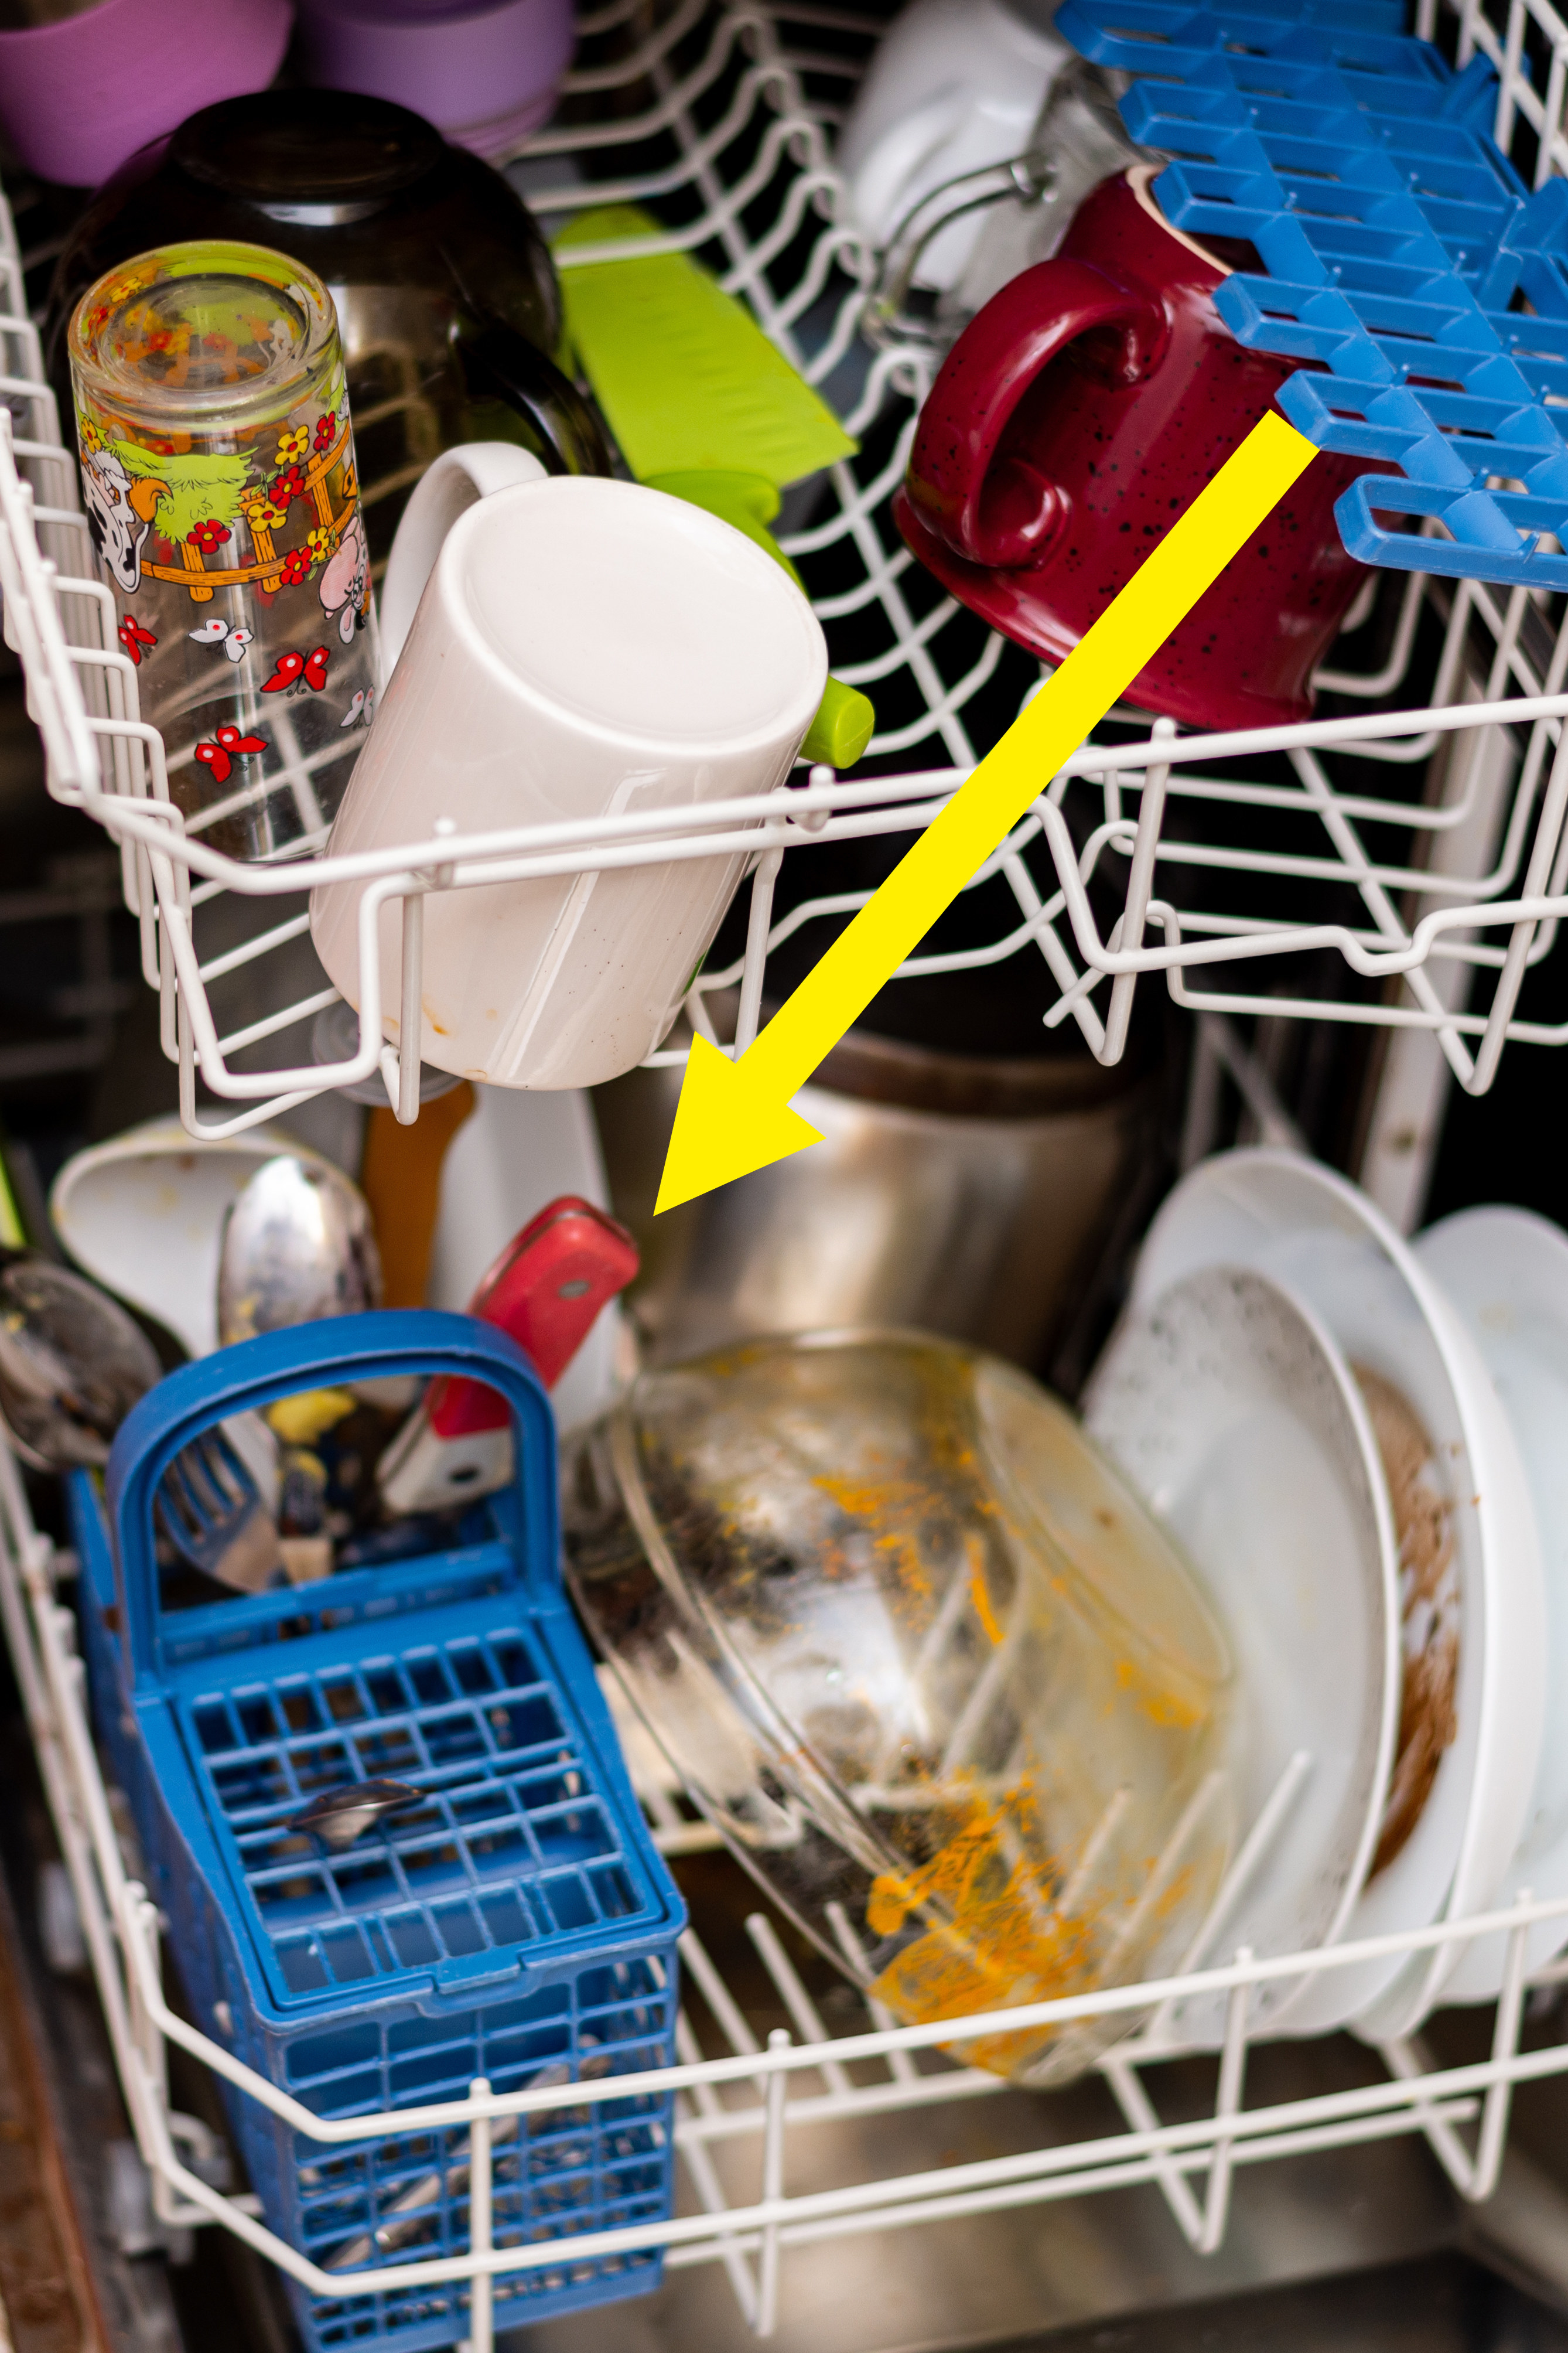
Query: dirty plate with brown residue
[1423, 1506]
[1314, 1232]
[1235, 1416]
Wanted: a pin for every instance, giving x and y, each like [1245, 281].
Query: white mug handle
[457, 480]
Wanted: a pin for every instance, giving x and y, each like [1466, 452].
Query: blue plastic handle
[333, 1354]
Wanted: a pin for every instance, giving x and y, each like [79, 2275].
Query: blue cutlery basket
[518, 1924]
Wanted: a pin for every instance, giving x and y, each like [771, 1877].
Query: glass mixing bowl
[940, 1681]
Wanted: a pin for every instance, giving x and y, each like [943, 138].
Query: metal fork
[411, 2212]
[208, 1507]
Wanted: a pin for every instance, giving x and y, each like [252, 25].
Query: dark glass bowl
[446, 296]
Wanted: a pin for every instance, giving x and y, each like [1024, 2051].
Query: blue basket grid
[508, 1848]
[518, 1924]
[588, 2167]
[1406, 263]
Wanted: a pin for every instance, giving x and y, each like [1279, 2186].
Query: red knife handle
[546, 1290]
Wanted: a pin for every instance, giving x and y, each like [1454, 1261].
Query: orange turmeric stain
[981, 1598]
[995, 1936]
[1161, 1706]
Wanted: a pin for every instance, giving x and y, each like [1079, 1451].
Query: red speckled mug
[1074, 419]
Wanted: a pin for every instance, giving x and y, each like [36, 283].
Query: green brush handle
[845, 718]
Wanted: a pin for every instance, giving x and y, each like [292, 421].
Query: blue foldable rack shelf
[1402, 260]
[518, 1924]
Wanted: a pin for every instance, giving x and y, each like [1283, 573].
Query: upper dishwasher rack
[1399, 860]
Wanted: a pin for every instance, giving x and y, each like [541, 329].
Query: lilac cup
[79, 96]
[484, 72]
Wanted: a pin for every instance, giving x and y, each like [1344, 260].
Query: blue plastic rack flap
[1406, 260]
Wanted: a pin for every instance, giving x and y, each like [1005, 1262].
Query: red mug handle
[1003, 511]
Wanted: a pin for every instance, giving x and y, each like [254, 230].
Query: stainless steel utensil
[410, 2216]
[208, 1507]
[297, 1244]
[72, 1365]
[339, 1817]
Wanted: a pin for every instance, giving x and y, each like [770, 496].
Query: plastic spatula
[703, 407]
[400, 1176]
[545, 1292]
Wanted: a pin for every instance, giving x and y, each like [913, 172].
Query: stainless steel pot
[965, 1195]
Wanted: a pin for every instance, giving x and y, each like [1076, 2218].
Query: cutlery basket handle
[335, 1353]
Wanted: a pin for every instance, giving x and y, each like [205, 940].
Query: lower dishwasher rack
[748, 2108]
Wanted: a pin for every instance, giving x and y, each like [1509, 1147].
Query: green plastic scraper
[703, 407]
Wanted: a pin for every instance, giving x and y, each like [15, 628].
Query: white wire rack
[1405, 853]
[744, 2109]
[1400, 860]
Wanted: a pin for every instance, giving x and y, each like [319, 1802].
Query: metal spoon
[297, 1244]
[339, 1817]
[72, 1365]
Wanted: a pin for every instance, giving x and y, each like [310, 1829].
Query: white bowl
[955, 85]
[1314, 1230]
[1506, 1273]
[143, 1214]
[1230, 1409]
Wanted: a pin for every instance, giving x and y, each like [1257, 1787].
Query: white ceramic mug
[955, 85]
[582, 648]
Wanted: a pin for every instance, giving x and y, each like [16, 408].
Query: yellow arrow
[735, 1116]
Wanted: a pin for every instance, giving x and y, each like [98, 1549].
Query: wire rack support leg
[1537, 880]
[796, 2001]
[406, 1098]
[1228, 2102]
[1405, 2059]
[1140, 886]
[481, 2290]
[1135, 2104]
[149, 2056]
[1493, 2133]
[758, 924]
[698, 2161]
[773, 2189]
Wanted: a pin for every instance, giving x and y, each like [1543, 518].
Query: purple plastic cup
[79, 96]
[484, 72]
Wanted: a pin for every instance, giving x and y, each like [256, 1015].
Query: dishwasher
[1331, 935]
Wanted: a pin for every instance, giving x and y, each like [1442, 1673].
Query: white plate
[1315, 1232]
[1506, 1273]
[1233, 1413]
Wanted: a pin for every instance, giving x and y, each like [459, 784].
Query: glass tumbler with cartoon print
[219, 481]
